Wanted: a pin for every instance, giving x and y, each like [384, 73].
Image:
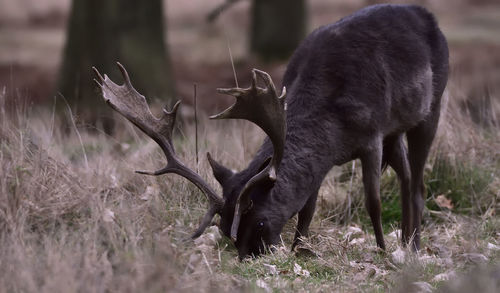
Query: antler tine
[267, 110]
[262, 107]
[267, 80]
[132, 105]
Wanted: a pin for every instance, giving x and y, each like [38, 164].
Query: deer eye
[260, 226]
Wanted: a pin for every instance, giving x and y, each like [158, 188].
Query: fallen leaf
[271, 269]
[444, 276]
[490, 212]
[353, 232]
[427, 259]
[371, 272]
[398, 256]
[297, 269]
[443, 202]
[209, 238]
[124, 147]
[114, 181]
[194, 261]
[305, 273]
[357, 241]
[304, 252]
[492, 246]
[150, 191]
[423, 287]
[396, 234]
[108, 215]
[475, 257]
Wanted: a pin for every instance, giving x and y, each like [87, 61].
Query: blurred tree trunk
[278, 26]
[103, 32]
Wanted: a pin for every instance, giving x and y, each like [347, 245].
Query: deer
[353, 89]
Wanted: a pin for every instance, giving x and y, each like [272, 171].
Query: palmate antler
[267, 110]
[129, 103]
[261, 106]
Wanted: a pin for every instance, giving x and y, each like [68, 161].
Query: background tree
[103, 32]
[277, 26]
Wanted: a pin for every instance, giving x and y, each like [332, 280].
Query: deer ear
[221, 173]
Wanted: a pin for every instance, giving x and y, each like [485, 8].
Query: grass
[465, 184]
[468, 186]
[67, 227]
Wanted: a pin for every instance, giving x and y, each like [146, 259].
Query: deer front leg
[305, 217]
[371, 162]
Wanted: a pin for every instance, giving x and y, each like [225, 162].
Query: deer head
[247, 227]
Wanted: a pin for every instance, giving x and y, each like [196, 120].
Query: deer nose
[242, 255]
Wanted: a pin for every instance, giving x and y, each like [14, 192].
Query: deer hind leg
[305, 217]
[396, 155]
[419, 143]
[371, 161]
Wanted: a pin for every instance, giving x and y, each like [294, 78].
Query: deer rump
[354, 89]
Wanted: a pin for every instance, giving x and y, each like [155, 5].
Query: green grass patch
[465, 184]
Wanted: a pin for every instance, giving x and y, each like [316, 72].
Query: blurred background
[47, 47]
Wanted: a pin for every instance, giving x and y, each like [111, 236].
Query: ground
[75, 217]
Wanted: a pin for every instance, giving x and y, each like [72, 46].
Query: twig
[52, 119]
[76, 130]
[196, 126]
[206, 262]
[232, 61]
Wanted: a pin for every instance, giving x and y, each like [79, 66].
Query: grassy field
[75, 217]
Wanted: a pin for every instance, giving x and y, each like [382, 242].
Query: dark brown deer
[354, 89]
